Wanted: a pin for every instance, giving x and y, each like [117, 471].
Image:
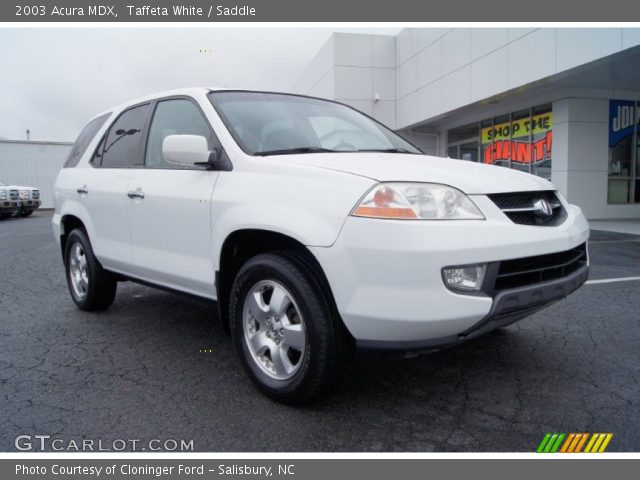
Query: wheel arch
[243, 244]
[68, 223]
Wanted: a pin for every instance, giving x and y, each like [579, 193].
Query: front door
[170, 206]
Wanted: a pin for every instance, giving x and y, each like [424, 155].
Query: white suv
[314, 227]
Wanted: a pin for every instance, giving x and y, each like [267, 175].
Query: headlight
[417, 201]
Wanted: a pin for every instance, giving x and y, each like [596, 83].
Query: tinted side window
[84, 139]
[175, 117]
[122, 144]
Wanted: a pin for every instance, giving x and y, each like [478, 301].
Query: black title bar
[319, 11]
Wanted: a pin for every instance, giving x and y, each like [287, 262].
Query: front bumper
[10, 206]
[508, 307]
[386, 277]
[30, 204]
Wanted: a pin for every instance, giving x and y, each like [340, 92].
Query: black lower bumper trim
[508, 307]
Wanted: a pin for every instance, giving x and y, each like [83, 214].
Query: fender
[263, 200]
[76, 209]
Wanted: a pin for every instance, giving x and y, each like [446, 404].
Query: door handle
[136, 194]
[82, 190]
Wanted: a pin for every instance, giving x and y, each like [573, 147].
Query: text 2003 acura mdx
[315, 228]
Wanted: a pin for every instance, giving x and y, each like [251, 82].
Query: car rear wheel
[92, 288]
[290, 342]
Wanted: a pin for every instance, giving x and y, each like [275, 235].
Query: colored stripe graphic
[598, 442]
[581, 443]
[551, 442]
[574, 443]
[543, 443]
[593, 439]
[570, 440]
[605, 443]
[556, 445]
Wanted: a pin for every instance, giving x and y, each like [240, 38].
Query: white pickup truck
[10, 204]
[315, 228]
[30, 200]
[18, 201]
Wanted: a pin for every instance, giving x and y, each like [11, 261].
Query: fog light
[464, 277]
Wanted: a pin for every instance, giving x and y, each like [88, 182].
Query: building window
[519, 140]
[624, 123]
[636, 197]
[464, 143]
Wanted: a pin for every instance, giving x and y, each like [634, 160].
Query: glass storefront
[520, 140]
[624, 174]
[463, 143]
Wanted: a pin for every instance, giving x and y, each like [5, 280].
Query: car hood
[470, 177]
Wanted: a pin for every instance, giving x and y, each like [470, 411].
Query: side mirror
[185, 149]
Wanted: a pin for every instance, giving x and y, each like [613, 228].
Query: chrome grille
[541, 208]
[13, 195]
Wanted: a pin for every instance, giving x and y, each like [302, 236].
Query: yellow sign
[538, 124]
[528, 140]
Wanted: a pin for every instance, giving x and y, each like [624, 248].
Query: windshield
[274, 123]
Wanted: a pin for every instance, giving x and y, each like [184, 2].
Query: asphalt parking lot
[137, 371]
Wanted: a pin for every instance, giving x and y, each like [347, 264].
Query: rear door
[170, 212]
[104, 192]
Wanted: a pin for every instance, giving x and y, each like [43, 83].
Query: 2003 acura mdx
[315, 228]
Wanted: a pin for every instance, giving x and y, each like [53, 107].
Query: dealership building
[562, 103]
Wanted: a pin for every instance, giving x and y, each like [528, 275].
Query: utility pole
[28, 134]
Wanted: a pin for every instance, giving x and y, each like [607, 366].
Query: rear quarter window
[84, 139]
[121, 146]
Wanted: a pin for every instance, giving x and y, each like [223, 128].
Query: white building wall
[440, 70]
[448, 77]
[356, 69]
[33, 164]
[580, 158]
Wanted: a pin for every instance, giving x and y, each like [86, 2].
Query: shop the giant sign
[524, 141]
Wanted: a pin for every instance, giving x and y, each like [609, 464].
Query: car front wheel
[91, 286]
[291, 343]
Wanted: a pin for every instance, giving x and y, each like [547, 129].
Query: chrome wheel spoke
[83, 262]
[281, 363]
[259, 343]
[78, 270]
[279, 301]
[258, 308]
[294, 337]
[274, 330]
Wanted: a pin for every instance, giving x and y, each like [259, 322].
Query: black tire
[101, 285]
[327, 343]
[4, 216]
[26, 213]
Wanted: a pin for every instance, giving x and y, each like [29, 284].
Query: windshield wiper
[386, 150]
[290, 151]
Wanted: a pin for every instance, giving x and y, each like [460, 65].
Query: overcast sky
[53, 80]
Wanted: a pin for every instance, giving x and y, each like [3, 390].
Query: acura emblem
[543, 208]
